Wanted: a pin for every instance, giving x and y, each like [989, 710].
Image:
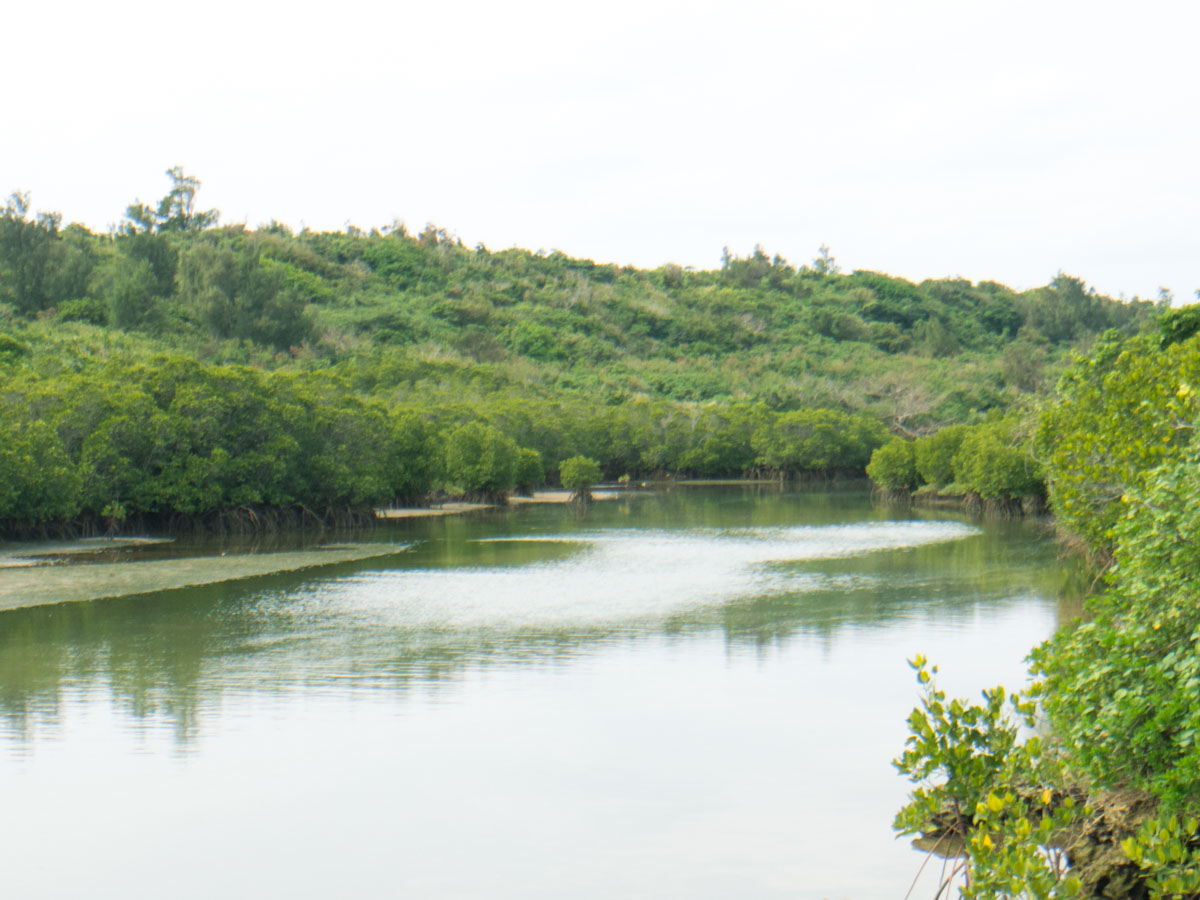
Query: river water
[693, 693]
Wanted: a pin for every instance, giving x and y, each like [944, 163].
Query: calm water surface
[691, 694]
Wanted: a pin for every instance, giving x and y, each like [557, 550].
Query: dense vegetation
[175, 368]
[1113, 777]
[990, 462]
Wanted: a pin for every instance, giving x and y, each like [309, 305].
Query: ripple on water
[615, 576]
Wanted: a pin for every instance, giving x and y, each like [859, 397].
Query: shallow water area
[694, 692]
[23, 554]
[48, 574]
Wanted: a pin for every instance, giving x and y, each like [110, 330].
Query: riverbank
[930, 497]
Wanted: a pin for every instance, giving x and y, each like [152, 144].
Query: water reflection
[532, 586]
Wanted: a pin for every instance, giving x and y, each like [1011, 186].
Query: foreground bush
[1115, 767]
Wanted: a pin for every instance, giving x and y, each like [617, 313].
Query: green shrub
[480, 460]
[1124, 688]
[935, 455]
[894, 466]
[88, 309]
[417, 452]
[38, 483]
[11, 347]
[817, 440]
[578, 473]
[1121, 412]
[529, 472]
[988, 463]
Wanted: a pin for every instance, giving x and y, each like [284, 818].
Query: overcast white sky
[925, 138]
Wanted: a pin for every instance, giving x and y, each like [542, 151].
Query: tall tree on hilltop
[176, 212]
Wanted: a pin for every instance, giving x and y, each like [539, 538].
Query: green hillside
[757, 366]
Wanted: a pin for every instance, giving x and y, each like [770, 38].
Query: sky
[923, 138]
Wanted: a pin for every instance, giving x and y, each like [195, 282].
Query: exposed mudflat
[450, 509]
[421, 512]
[42, 573]
[22, 554]
[35, 582]
[559, 497]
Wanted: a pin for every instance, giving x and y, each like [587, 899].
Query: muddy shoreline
[41, 584]
[42, 573]
[452, 508]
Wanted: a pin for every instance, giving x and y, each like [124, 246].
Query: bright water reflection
[690, 694]
[620, 576]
